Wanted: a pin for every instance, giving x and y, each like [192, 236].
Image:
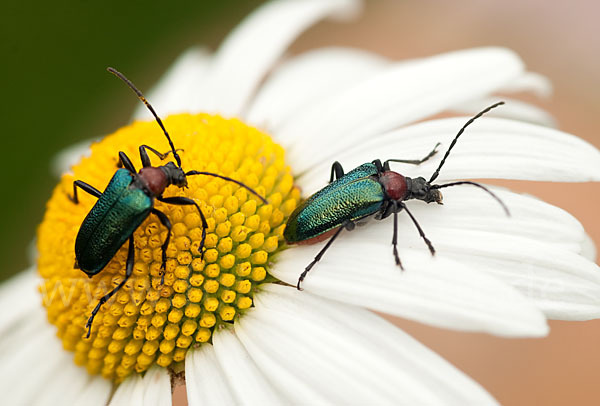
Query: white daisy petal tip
[533, 82]
[588, 248]
[346, 10]
[512, 109]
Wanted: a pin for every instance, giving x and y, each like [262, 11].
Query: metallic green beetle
[370, 189]
[126, 202]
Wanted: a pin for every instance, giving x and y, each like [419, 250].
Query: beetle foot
[88, 325]
[397, 258]
[429, 245]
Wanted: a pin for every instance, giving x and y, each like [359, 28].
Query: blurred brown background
[55, 93]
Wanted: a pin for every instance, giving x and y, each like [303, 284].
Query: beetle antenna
[143, 99]
[237, 182]
[466, 182]
[481, 113]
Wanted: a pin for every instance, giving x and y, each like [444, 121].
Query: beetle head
[175, 174]
[420, 189]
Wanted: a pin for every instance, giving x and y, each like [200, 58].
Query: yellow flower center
[147, 322]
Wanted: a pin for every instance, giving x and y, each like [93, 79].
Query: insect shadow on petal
[370, 189]
[126, 202]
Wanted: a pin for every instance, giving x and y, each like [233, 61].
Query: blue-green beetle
[126, 202]
[370, 189]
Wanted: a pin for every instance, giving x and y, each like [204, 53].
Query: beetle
[126, 202]
[370, 189]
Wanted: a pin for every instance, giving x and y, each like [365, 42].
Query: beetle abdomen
[332, 206]
[114, 217]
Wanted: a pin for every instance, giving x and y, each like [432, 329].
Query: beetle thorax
[394, 185]
[154, 179]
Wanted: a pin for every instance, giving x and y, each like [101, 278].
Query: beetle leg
[86, 188]
[165, 222]
[104, 299]
[380, 168]
[421, 233]
[146, 159]
[387, 208]
[348, 225]
[337, 170]
[184, 201]
[413, 161]
[394, 204]
[126, 162]
[381, 212]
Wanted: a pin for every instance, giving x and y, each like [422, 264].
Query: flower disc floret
[147, 322]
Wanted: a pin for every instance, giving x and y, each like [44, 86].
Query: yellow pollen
[146, 322]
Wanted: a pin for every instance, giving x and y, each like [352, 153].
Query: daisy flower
[232, 326]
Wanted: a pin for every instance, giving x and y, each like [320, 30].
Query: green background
[56, 91]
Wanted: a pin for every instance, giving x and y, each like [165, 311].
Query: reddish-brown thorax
[394, 185]
[155, 179]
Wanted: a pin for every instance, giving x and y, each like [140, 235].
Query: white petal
[96, 392]
[19, 297]
[157, 387]
[129, 393]
[319, 352]
[251, 49]
[564, 285]
[177, 90]
[311, 76]
[398, 95]
[588, 249]
[42, 363]
[432, 290]
[513, 109]
[19, 360]
[21, 331]
[64, 385]
[68, 157]
[248, 384]
[205, 381]
[547, 269]
[530, 82]
[490, 148]
[469, 208]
